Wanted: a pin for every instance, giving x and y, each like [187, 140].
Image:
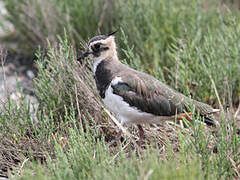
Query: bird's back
[148, 94]
[148, 86]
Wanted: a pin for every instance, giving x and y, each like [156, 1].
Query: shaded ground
[16, 75]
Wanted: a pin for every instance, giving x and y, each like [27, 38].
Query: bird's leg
[186, 116]
[141, 133]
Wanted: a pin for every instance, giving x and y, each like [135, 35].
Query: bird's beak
[83, 56]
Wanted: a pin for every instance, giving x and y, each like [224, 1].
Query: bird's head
[100, 47]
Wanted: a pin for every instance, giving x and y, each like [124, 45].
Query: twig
[238, 109]
[214, 85]
[177, 66]
[117, 123]
[3, 55]
[78, 108]
[101, 19]
[235, 167]
[149, 173]
[116, 155]
[24, 162]
[216, 92]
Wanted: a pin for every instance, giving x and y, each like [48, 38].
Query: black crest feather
[112, 33]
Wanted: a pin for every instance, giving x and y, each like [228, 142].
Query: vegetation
[190, 45]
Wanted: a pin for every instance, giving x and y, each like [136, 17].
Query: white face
[102, 49]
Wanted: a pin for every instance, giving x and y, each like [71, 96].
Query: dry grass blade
[3, 56]
[238, 110]
[117, 123]
[235, 166]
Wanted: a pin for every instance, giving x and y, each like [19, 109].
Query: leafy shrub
[178, 42]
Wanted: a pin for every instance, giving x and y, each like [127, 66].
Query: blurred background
[180, 42]
[191, 45]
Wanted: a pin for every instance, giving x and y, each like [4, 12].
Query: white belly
[126, 113]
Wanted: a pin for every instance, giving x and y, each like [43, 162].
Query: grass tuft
[185, 44]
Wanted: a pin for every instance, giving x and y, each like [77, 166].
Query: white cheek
[102, 56]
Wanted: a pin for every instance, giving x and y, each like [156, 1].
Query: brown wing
[143, 96]
[148, 94]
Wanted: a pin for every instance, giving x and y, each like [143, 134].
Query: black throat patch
[103, 78]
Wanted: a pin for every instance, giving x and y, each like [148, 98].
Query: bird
[135, 97]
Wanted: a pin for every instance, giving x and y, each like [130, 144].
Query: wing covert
[154, 103]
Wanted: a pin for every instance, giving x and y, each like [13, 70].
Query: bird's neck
[95, 65]
[103, 74]
[109, 58]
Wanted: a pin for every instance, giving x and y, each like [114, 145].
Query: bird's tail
[209, 121]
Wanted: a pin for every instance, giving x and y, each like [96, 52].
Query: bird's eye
[96, 47]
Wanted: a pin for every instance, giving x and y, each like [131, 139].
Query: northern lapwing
[136, 97]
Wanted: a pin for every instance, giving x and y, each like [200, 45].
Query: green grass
[86, 158]
[176, 41]
[190, 45]
[67, 142]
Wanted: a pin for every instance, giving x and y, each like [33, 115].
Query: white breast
[95, 65]
[127, 114]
